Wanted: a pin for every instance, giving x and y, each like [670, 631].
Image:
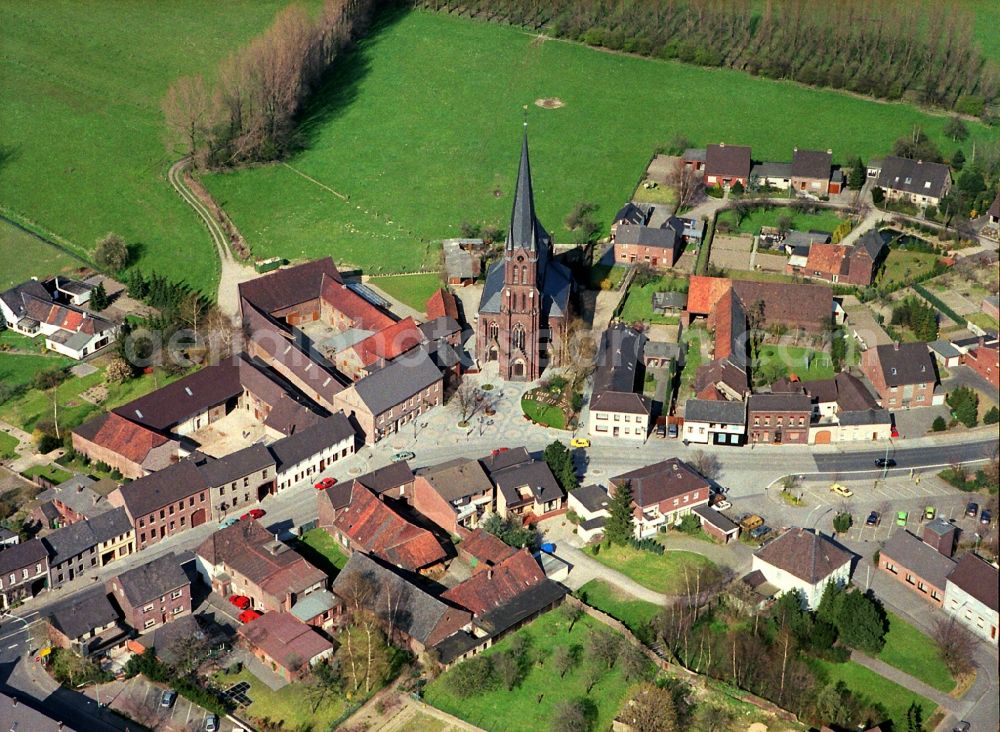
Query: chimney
[489, 574]
[895, 346]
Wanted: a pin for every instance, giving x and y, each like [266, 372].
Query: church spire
[525, 231]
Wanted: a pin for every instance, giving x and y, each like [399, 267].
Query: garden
[670, 573]
[322, 550]
[819, 220]
[779, 361]
[638, 304]
[554, 404]
[635, 614]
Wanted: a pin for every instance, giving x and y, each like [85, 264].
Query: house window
[149, 623]
[190, 501]
[178, 610]
[147, 608]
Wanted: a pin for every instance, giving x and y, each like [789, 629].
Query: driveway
[139, 699]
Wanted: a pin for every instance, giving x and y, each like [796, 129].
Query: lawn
[983, 320]
[52, 473]
[82, 126]
[889, 694]
[638, 303]
[8, 446]
[545, 414]
[661, 573]
[290, 705]
[608, 599]
[11, 341]
[16, 368]
[25, 256]
[692, 360]
[322, 550]
[911, 651]
[413, 290]
[419, 130]
[533, 704]
[606, 276]
[794, 359]
[902, 267]
[823, 220]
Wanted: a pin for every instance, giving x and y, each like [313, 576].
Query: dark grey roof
[456, 645]
[152, 580]
[525, 230]
[694, 154]
[108, 525]
[647, 236]
[416, 612]
[805, 554]
[444, 355]
[83, 613]
[22, 555]
[711, 410]
[522, 606]
[727, 160]
[440, 328]
[865, 416]
[594, 497]
[556, 285]
[945, 349]
[771, 170]
[906, 363]
[659, 349]
[913, 176]
[289, 286]
[458, 478]
[68, 542]
[506, 459]
[156, 490]
[811, 164]
[630, 213]
[236, 465]
[779, 403]
[594, 523]
[710, 515]
[618, 358]
[873, 242]
[534, 474]
[676, 300]
[387, 478]
[626, 402]
[402, 378]
[921, 559]
[14, 297]
[976, 576]
[852, 394]
[995, 207]
[301, 445]
[489, 302]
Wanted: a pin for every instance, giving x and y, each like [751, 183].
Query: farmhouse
[304, 455]
[804, 561]
[915, 181]
[485, 591]
[394, 480]
[123, 445]
[903, 374]
[480, 550]
[843, 409]
[616, 408]
[662, 494]
[525, 304]
[838, 263]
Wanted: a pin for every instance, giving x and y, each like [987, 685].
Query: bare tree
[464, 399]
[687, 182]
[651, 708]
[706, 464]
[187, 109]
[955, 643]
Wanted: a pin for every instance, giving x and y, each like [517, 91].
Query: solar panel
[237, 693]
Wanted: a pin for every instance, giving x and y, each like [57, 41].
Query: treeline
[893, 49]
[249, 113]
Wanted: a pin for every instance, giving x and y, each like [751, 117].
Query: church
[525, 307]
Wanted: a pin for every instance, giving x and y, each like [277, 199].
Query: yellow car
[841, 490]
[579, 442]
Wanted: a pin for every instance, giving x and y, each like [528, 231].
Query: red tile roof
[704, 293]
[442, 304]
[362, 313]
[830, 259]
[723, 322]
[285, 639]
[389, 343]
[485, 591]
[485, 548]
[375, 528]
[122, 436]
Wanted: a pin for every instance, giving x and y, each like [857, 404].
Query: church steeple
[525, 231]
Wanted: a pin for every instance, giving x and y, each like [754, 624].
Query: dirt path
[232, 273]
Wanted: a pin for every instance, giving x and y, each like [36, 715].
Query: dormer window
[908, 181]
[927, 184]
[894, 371]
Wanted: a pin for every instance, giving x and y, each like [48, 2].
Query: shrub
[939, 424]
[878, 195]
[112, 253]
[842, 522]
[690, 524]
[964, 403]
[47, 443]
[647, 545]
[992, 416]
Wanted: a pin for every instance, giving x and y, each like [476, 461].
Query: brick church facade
[525, 305]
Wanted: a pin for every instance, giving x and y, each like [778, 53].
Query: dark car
[672, 431]
[885, 463]
[972, 509]
[168, 698]
[760, 532]
[985, 517]
[962, 726]
[873, 519]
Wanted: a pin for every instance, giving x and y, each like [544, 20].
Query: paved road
[926, 457]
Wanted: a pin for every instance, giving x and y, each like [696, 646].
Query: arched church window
[517, 337]
[514, 274]
[494, 330]
[524, 274]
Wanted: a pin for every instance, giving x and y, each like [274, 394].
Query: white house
[970, 596]
[716, 422]
[304, 455]
[802, 560]
[590, 503]
[616, 407]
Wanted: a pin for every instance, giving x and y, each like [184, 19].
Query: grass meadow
[668, 573]
[25, 256]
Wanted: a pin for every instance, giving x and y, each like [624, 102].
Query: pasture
[25, 256]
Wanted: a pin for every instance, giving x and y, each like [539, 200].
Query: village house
[463, 260]
[811, 172]
[843, 409]
[374, 352]
[247, 559]
[617, 407]
[89, 625]
[984, 359]
[662, 494]
[970, 596]
[916, 181]
[591, 504]
[394, 480]
[524, 487]
[285, 643]
[716, 525]
[485, 591]
[710, 421]
[856, 264]
[452, 494]
[359, 521]
[239, 478]
[778, 419]
[631, 214]
[86, 546]
[306, 454]
[152, 594]
[724, 165]
[918, 565]
[130, 448]
[804, 561]
[317, 609]
[903, 374]
[79, 498]
[659, 247]
[24, 569]
[481, 550]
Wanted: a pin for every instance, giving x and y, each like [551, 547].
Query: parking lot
[140, 699]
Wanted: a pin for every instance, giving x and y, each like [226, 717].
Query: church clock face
[520, 258]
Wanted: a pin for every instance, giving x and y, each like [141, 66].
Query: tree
[706, 464]
[958, 159]
[842, 522]
[939, 425]
[326, 682]
[964, 402]
[112, 253]
[571, 716]
[603, 647]
[917, 147]
[510, 530]
[955, 644]
[955, 129]
[634, 663]
[473, 676]
[992, 416]
[49, 380]
[187, 109]
[620, 526]
[464, 399]
[572, 613]
[189, 652]
[650, 708]
[914, 718]
[737, 188]
[565, 658]
[581, 221]
[560, 462]
[858, 174]
[860, 621]
[98, 298]
[686, 181]
[878, 195]
[507, 668]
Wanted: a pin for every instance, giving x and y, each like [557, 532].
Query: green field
[824, 220]
[902, 267]
[911, 651]
[25, 256]
[667, 573]
[452, 156]
[608, 599]
[82, 128]
[793, 358]
[532, 705]
[413, 290]
[16, 369]
[869, 684]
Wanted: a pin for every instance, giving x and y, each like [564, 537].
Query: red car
[500, 450]
[326, 483]
[247, 615]
[255, 513]
[240, 601]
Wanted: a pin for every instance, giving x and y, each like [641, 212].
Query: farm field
[533, 704]
[24, 256]
[453, 156]
[82, 128]
[659, 572]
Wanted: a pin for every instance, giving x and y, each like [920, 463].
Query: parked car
[722, 505]
[579, 442]
[972, 510]
[401, 456]
[168, 698]
[227, 522]
[985, 517]
[760, 532]
[247, 615]
[873, 519]
[499, 450]
[929, 513]
[548, 547]
[672, 431]
[901, 517]
[751, 521]
[240, 601]
[253, 513]
[211, 723]
[326, 483]
[885, 462]
[962, 726]
[842, 491]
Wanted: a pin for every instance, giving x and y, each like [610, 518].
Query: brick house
[285, 643]
[304, 455]
[916, 564]
[617, 408]
[811, 170]
[89, 625]
[727, 164]
[130, 448]
[659, 247]
[970, 596]
[152, 594]
[918, 182]
[379, 348]
[716, 422]
[239, 479]
[85, 546]
[499, 584]
[481, 550]
[24, 570]
[452, 494]
[717, 526]
[778, 419]
[394, 480]
[246, 559]
[662, 494]
[984, 359]
[838, 263]
[903, 374]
